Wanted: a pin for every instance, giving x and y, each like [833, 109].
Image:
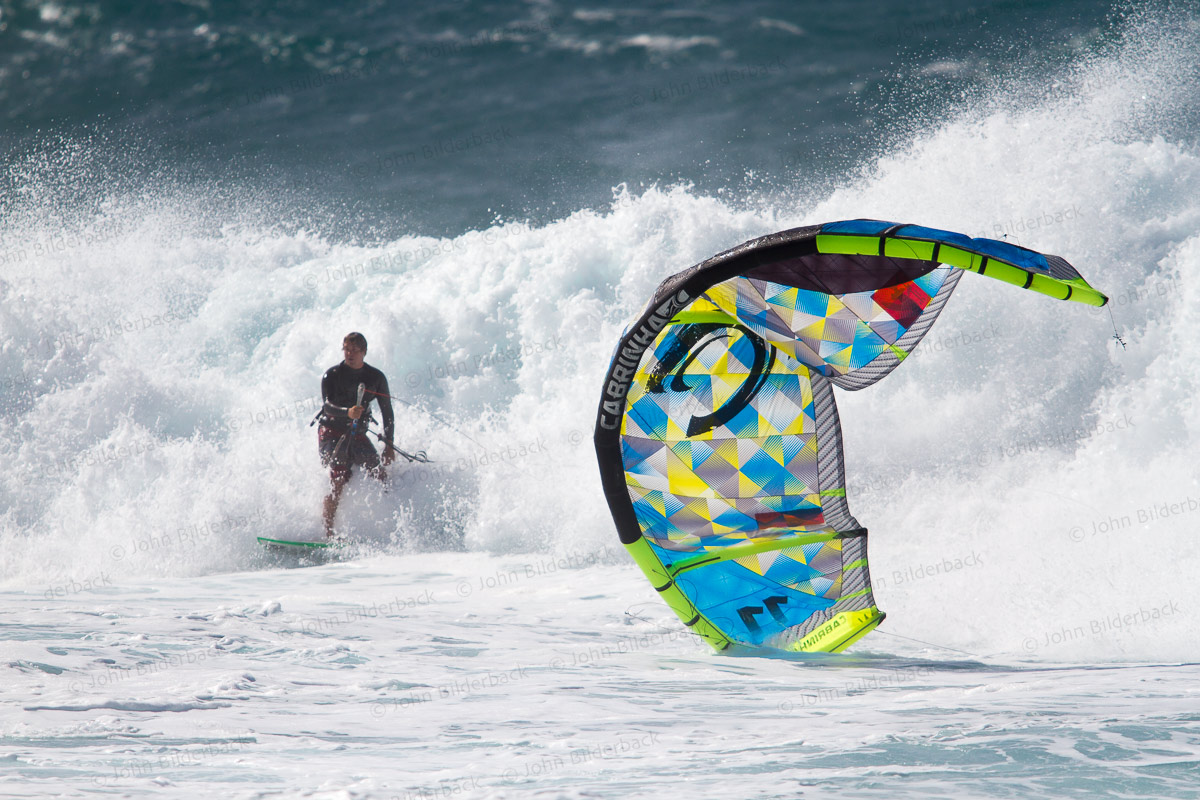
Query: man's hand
[355, 412]
[389, 455]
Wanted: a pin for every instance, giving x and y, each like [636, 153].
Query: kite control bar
[417, 456]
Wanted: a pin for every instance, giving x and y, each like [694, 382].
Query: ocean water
[198, 202]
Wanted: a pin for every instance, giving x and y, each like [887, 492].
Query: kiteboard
[333, 543]
[307, 550]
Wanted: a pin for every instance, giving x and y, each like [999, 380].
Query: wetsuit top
[339, 390]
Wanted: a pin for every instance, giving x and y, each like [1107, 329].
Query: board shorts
[357, 452]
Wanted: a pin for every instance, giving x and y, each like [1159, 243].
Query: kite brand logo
[845, 623]
[625, 365]
[810, 641]
[691, 341]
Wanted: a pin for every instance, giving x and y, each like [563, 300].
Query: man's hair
[357, 339]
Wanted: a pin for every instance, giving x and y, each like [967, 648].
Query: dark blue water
[378, 119]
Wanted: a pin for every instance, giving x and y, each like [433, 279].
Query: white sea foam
[1030, 486]
[162, 361]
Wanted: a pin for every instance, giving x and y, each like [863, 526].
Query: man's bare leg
[331, 503]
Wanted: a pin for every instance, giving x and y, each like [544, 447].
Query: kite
[717, 433]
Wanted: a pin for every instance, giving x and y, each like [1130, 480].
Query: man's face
[353, 354]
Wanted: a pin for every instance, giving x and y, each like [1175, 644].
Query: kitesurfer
[342, 436]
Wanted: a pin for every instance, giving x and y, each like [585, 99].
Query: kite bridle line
[449, 425]
[419, 456]
[1116, 334]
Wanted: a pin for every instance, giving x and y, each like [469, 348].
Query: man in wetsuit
[340, 450]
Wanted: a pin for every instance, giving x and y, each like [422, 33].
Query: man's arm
[329, 409]
[385, 409]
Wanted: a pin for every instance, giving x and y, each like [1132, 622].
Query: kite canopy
[718, 437]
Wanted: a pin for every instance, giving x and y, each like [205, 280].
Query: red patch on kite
[904, 302]
[804, 518]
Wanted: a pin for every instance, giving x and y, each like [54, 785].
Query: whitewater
[1029, 481]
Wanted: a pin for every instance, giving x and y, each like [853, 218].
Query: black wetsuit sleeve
[330, 410]
[385, 409]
